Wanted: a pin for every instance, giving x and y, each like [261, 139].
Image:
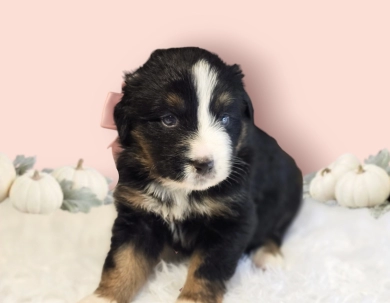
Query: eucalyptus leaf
[307, 178]
[69, 206]
[306, 184]
[109, 199]
[381, 159]
[380, 210]
[23, 164]
[109, 180]
[47, 170]
[78, 200]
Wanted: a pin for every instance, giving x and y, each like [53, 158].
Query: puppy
[196, 178]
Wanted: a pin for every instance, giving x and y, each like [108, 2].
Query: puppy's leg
[198, 288]
[128, 274]
[122, 276]
[135, 250]
[268, 256]
[214, 261]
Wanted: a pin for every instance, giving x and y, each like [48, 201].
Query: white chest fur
[169, 204]
[173, 205]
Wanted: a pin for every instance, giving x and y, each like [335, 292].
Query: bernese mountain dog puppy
[197, 178]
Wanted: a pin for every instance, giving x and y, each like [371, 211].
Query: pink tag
[115, 148]
[107, 120]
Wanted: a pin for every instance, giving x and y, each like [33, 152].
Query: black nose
[203, 166]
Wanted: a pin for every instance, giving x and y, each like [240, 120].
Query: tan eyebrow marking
[223, 99]
[174, 100]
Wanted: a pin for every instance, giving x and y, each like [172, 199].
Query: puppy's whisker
[233, 178]
[245, 171]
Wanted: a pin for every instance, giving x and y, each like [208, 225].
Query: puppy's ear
[248, 107]
[123, 123]
[129, 79]
[248, 111]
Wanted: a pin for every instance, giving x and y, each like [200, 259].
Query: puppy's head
[182, 115]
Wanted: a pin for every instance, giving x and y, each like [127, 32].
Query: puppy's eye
[169, 121]
[225, 120]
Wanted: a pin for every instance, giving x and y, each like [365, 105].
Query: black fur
[263, 190]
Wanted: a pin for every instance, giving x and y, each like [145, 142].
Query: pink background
[318, 72]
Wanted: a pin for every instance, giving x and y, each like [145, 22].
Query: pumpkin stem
[325, 171]
[360, 170]
[80, 164]
[36, 176]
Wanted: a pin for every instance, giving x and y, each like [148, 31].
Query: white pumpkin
[7, 176]
[343, 164]
[83, 177]
[322, 187]
[323, 184]
[366, 186]
[36, 193]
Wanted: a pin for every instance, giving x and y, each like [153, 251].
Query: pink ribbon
[108, 122]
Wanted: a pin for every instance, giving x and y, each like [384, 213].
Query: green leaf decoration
[306, 184]
[47, 170]
[109, 180]
[380, 210]
[381, 159]
[109, 199]
[78, 200]
[23, 164]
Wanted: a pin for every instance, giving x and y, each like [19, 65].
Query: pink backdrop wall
[318, 72]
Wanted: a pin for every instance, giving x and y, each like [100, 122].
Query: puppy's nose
[203, 166]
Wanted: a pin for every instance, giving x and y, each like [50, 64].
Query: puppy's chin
[191, 184]
[194, 181]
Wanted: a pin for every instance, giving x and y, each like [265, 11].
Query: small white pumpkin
[322, 187]
[7, 176]
[323, 184]
[366, 186]
[83, 177]
[344, 164]
[36, 193]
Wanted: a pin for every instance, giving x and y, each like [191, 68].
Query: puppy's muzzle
[203, 166]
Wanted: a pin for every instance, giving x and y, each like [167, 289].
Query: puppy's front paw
[268, 256]
[96, 299]
[200, 299]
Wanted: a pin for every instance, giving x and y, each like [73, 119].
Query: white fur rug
[333, 254]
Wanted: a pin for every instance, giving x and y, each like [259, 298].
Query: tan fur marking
[267, 256]
[134, 197]
[199, 290]
[217, 208]
[272, 248]
[224, 99]
[122, 282]
[174, 100]
[243, 135]
[145, 158]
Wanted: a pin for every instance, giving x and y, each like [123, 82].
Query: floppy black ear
[248, 111]
[123, 123]
[238, 74]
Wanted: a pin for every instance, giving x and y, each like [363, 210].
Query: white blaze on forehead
[211, 140]
[205, 82]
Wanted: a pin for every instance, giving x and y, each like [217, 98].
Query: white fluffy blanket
[333, 254]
